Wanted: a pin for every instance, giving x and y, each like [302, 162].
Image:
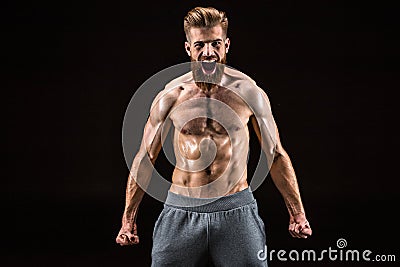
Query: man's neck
[207, 88]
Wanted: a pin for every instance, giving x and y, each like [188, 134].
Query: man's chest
[219, 111]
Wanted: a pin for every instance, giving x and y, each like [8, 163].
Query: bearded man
[210, 216]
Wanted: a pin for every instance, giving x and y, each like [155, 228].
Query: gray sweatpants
[225, 232]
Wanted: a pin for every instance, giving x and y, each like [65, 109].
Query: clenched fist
[299, 226]
[128, 235]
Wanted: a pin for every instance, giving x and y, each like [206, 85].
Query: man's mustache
[213, 57]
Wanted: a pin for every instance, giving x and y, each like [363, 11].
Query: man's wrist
[297, 214]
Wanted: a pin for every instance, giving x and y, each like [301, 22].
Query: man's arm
[142, 166]
[282, 171]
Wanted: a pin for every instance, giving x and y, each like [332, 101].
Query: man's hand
[128, 235]
[299, 226]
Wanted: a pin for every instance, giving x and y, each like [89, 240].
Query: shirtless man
[210, 215]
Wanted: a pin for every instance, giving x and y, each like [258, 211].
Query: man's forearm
[284, 177]
[134, 195]
[142, 169]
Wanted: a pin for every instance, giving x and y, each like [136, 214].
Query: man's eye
[199, 45]
[216, 43]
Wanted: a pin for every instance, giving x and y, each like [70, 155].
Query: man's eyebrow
[207, 41]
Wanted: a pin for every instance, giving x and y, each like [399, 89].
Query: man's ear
[227, 44]
[187, 48]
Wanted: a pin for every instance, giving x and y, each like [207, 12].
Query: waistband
[228, 202]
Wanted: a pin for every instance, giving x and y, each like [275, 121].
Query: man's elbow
[152, 156]
[279, 153]
[144, 158]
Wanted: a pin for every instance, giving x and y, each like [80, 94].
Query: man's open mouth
[209, 66]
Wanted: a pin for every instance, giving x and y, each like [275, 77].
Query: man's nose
[208, 50]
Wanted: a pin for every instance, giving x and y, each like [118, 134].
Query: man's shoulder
[171, 91]
[241, 83]
[234, 75]
[255, 97]
[179, 81]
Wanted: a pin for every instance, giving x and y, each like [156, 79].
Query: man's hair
[205, 17]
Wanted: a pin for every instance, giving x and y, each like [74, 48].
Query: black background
[328, 67]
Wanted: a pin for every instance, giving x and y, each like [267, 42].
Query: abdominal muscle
[226, 174]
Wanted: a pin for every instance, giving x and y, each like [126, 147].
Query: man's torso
[213, 122]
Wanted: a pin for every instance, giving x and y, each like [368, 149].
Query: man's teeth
[208, 65]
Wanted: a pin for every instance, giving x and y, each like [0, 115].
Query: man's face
[207, 46]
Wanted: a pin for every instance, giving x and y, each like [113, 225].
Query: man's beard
[207, 75]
